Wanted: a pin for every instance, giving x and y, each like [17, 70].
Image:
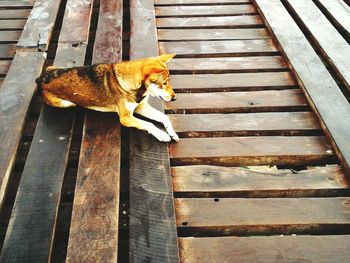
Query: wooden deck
[260, 174]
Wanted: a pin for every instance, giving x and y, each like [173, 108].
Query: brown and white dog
[120, 87]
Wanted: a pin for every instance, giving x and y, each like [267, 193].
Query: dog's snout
[173, 98]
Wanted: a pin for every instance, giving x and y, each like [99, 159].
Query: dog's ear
[166, 57]
[129, 77]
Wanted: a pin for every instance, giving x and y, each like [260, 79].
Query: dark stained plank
[39, 193]
[325, 98]
[16, 4]
[250, 101]
[94, 231]
[12, 24]
[7, 51]
[272, 249]
[15, 95]
[212, 34]
[241, 47]
[260, 150]
[237, 64]
[243, 124]
[4, 66]
[183, 11]
[200, 22]
[9, 36]
[14, 13]
[152, 231]
[38, 29]
[184, 2]
[333, 46]
[232, 81]
[257, 181]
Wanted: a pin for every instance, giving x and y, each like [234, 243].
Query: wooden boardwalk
[260, 173]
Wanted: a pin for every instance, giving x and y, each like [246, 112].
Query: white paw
[174, 136]
[162, 136]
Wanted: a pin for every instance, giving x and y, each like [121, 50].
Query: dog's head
[157, 78]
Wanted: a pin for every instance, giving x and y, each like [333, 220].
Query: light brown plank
[213, 82]
[17, 4]
[272, 249]
[324, 96]
[241, 47]
[17, 24]
[213, 65]
[14, 14]
[199, 22]
[7, 51]
[9, 36]
[233, 151]
[212, 34]
[227, 10]
[4, 66]
[242, 124]
[191, 2]
[257, 181]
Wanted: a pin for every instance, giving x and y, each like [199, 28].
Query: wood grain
[7, 51]
[225, 102]
[241, 47]
[322, 92]
[260, 150]
[17, 24]
[14, 14]
[191, 2]
[16, 4]
[4, 66]
[272, 249]
[9, 36]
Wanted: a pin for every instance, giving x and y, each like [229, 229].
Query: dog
[122, 87]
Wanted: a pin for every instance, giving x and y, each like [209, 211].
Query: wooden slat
[7, 51]
[200, 22]
[17, 4]
[226, 10]
[263, 215]
[94, 225]
[12, 24]
[15, 96]
[288, 249]
[271, 150]
[36, 205]
[258, 181]
[211, 34]
[38, 29]
[243, 124]
[212, 82]
[184, 2]
[251, 101]
[231, 64]
[9, 36]
[333, 46]
[4, 66]
[153, 235]
[322, 91]
[14, 14]
[191, 48]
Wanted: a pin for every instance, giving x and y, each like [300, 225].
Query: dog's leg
[127, 119]
[149, 112]
[54, 101]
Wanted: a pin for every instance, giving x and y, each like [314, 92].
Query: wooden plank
[191, 2]
[257, 181]
[14, 13]
[226, 10]
[212, 34]
[211, 22]
[39, 193]
[213, 82]
[322, 92]
[9, 36]
[261, 150]
[12, 24]
[4, 66]
[230, 64]
[94, 231]
[233, 47]
[152, 234]
[15, 96]
[244, 124]
[250, 101]
[39, 27]
[263, 215]
[288, 249]
[16, 4]
[332, 45]
[7, 51]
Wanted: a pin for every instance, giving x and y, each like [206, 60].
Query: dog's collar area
[140, 95]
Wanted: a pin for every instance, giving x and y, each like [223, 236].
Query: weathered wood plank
[15, 96]
[212, 34]
[17, 4]
[288, 249]
[9, 36]
[153, 235]
[38, 29]
[94, 225]
[232, 64]
[260, 150]
[251, 101]
[191, 2]
[4, 66]
[227, 10]
[321, 90]
[12, 24]
[7, 51]
[257, 181]
[212, 82]
[241, 47]
[243, 124]
[211, 22]
[14, 13]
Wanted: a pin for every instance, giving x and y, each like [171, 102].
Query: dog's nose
[173, 98]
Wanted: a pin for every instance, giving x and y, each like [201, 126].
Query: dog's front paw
[162, 136]
[174, 136]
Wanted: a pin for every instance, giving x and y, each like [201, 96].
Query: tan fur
[120, 87]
